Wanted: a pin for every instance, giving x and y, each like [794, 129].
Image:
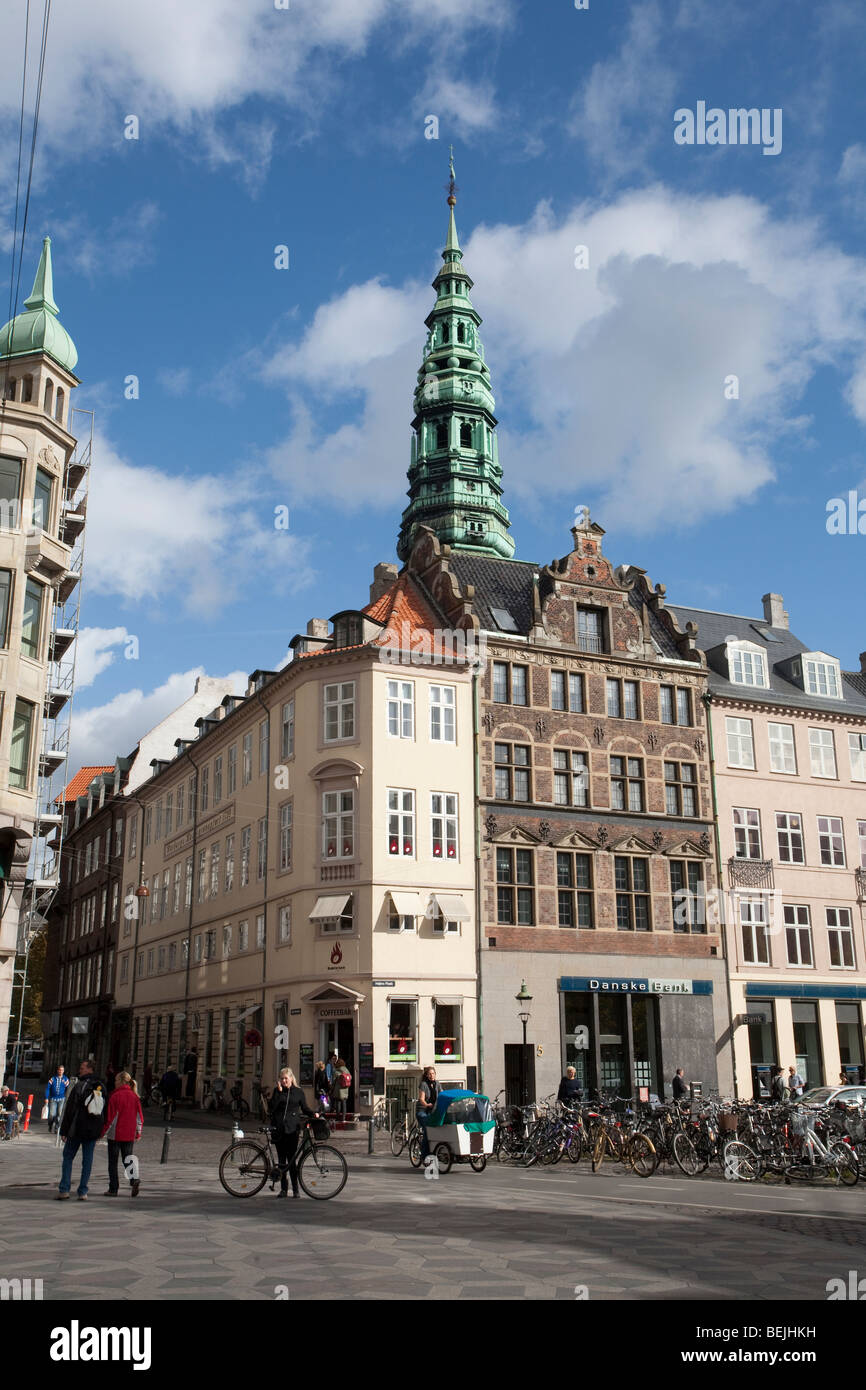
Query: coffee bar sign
[592, 984]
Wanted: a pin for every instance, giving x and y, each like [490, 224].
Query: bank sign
[592, 984]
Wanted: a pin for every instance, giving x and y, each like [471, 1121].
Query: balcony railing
[588, 643]
[750, 873]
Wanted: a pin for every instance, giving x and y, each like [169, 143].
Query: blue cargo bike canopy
[460, 1108]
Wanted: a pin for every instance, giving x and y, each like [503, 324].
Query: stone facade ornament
[490, 826]
[704, 841]
[699, 746]
[658, 838]
[488, 719]
[598, 733]
[541, 724]
[652, 738]
[603, 836]
[544, 830]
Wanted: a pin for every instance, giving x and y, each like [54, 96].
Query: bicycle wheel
[552, 1151]
[240, 1108]
[244, 1169]
[478, 1162]
[848, 1169]
[576, 1148]
[322, 1172]
[443, 1157]
[398, 1138]
[599, 1150]
[685, 1156]
[415, 1151]
[741, 1163]
[642, 1156]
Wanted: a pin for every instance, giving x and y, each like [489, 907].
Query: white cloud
[200, 541]
[468, 106]
[94, 652]
[614, 375]
[103, 732]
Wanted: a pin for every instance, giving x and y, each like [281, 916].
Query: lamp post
[524, 999]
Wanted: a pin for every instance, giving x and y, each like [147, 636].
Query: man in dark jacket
[680, 1086]
[569, 1092]
[80, 1126]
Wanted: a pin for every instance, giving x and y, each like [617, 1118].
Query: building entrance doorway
[338, 1035]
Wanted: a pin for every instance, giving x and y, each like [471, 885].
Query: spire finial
[452, 186]
[42, 294]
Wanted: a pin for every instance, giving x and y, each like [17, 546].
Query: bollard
[26, 1125]
[371, 1135]
[166, 1140]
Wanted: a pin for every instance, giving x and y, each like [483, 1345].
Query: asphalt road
[560, 1233]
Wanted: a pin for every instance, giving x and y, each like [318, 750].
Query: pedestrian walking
[81, 1125]
[680, 1086]
[170, 1085]
[778, 1089]
[55, 1095]
[796, 1084]
[322, 1087]
[190, 1071]
[340, 1087]
[287, 1104]
[569, 1088]
[124, 1122]
[428, 1090]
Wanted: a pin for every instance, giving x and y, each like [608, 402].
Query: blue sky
[261, 387]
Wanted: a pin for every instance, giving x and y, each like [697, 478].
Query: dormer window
[821, 675]
[747, 664]
[348, 632]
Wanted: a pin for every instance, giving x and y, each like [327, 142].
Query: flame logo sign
[336, 953]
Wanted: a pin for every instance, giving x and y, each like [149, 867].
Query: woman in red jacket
[123, 1125]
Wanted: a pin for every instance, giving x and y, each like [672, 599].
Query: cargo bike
[460, 1129]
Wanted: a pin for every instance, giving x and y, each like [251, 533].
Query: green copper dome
[38, 329]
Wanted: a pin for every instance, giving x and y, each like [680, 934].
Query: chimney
[863, 663]
[383, 577]
[774, 613]
[317, 627]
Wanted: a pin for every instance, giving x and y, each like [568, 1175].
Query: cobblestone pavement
[391, 1233]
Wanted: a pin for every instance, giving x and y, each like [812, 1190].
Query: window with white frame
[747, 664]
[210, 944]
[285, 836]
[88, 857]
[789, 831]
[821, 676]
[861, 831]
[285, 924]
[675, 705]
[133, 837]
[443, 825]
[747, 833]
[196, 948]
[115, 899]
[783, 755]
[260, 931]
[218, 780]
[232, 773]
[247, 761]
[178, 820]
[264, 746]
[169, 812]
[566, 691]
[570, 777]
[148, 826]
[798, 934]
[287, 729]
[403, 1030]
[447, 1032]
[335, 926]
[831, 841]
[857, 754]
[339, 711]
[398, 921]
[741, 745]
[338, 825]
[188, 889]
[401, 709]
[262, 845]
[243, 935]
[175, 898]
[227, 941]
[230, 863]
[166, 888]
[443, 926]
[443, 713]
[840, 938]
[753, 931]
[214, 869]
[124, 968]
[822, 752]
[204, 793]
[401, 822]
[246, 845]
[202, 875]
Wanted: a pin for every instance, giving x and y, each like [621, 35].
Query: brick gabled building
[595, 806]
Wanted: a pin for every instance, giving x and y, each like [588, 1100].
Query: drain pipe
[706, 701]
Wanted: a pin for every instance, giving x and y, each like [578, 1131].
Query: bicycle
[381, 1116]
[406, 1136]
[247, 1165]
[239, 1107]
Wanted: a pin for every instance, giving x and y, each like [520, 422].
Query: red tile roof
[81, 781]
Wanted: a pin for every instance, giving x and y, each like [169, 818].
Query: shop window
[446, 1033]
[807, 1042]
[403, 1030]
[850, 1033]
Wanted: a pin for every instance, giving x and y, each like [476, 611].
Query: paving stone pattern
[393, 1234]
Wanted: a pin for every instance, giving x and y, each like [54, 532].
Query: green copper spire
[455, 481]
[38, 329]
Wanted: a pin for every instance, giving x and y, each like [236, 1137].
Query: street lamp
[524, 999]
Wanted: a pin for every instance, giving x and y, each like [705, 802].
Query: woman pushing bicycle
[287, 1104]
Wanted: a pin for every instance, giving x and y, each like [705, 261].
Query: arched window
[461, 333]
[465, 436]
[445, 333]
[27, 388]
[49, 396]
[441, 436]
[9, 389]
[61, 402]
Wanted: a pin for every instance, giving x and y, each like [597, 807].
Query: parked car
[830, 1095]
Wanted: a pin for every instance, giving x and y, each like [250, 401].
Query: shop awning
[452, 906]
[405, 904]
[332, 906]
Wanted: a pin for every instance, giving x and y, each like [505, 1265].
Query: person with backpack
[340, 1084]
[123, 1125]
[81, 1125]
[55, 1095]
